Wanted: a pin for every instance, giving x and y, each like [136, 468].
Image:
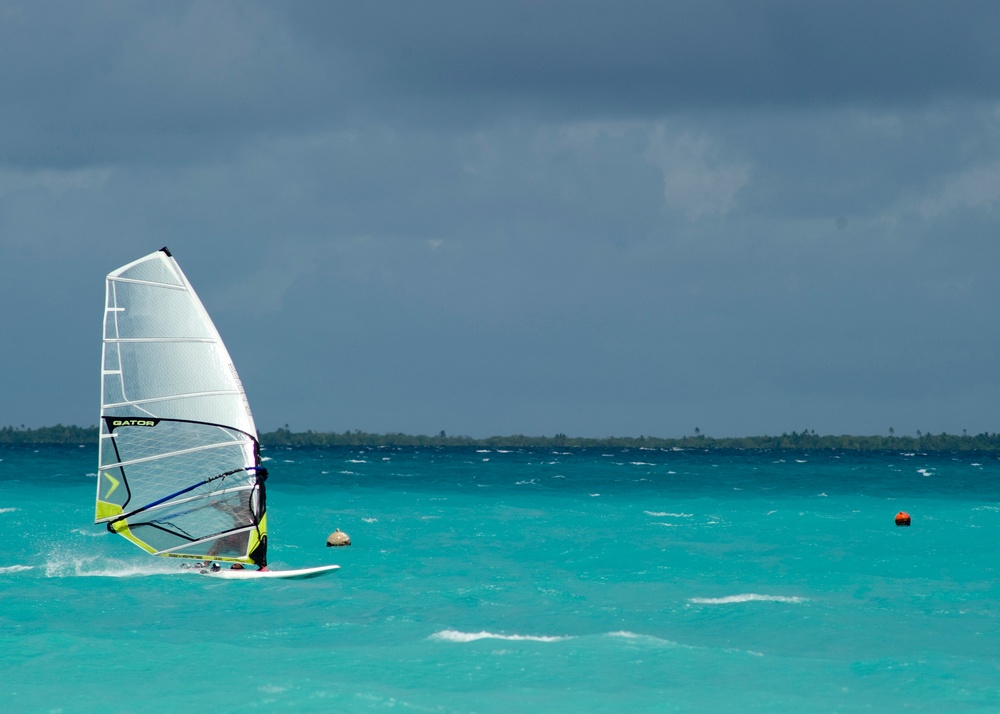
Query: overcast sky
[596, 218]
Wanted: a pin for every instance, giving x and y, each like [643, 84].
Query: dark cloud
[111, 82]
[641, 57]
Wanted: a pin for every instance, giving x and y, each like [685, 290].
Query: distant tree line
[807, 439]
[57, 434]
[794, 440]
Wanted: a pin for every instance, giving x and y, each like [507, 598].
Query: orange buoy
[902, 518]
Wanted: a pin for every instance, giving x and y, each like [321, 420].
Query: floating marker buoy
[902, 518]
[338, 537]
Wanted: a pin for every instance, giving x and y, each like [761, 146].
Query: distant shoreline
[60, 434]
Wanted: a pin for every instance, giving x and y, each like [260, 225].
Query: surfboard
[248, 574]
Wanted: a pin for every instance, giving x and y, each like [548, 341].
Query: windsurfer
[233, 542]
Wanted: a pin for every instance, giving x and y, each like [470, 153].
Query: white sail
[180, 470]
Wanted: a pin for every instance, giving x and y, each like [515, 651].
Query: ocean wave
[664, 514]
[746, 597]
[458, 636]
[15, 569]
[8, 510]
[625, 634]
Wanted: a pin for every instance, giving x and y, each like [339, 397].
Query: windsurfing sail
[180, 472]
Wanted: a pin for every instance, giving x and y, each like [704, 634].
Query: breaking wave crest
[458, 636]
[15, 569]
[746, 597]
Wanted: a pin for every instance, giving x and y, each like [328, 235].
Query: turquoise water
[488, 581]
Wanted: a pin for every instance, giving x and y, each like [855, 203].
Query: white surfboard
[249, 574]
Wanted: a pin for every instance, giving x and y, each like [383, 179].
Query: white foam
[92, 533]
[925, 472]
[15, 568]
[458, 636]
[370, 520]
[745, 597]
[8, 510]
[271, 689]
[664, 514]
[62, 566]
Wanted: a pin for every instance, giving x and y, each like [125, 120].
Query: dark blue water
[490, 581]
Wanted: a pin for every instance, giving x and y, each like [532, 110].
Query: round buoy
[902, 518]
[338, 537]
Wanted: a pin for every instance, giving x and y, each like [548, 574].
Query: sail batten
[169, 397]
[130, 340]
[180, 469]
[167, 455]
[168, 286]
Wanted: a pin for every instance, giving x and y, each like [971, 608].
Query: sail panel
[179, 460]
[151, 268]
[153, 310]
[155, 371]
[202, 528]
